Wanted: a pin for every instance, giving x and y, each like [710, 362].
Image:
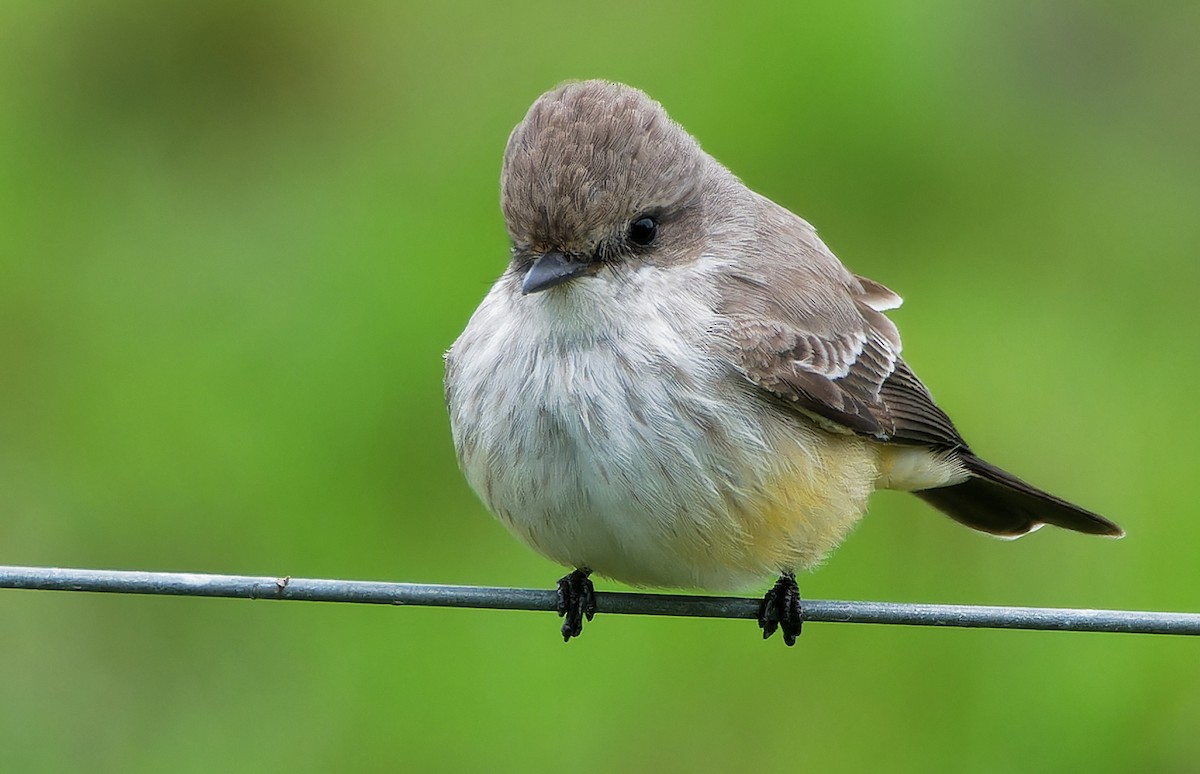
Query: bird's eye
[643, 230]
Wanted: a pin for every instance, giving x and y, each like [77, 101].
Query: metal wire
[376, 592]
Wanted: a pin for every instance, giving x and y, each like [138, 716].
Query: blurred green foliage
[235, 239]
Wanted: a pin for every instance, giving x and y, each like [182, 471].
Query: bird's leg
[780, 609]
[576, 599]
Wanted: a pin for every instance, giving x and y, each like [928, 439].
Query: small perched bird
[676, 384]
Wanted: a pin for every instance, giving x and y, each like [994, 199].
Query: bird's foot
[780, 609]
[576, 600]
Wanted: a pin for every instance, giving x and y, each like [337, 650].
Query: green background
[235, 239]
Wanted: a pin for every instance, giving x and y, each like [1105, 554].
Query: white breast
[594, 425]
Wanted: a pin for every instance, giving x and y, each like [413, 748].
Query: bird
[676, 384]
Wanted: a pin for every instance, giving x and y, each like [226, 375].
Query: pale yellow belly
[766, 514]
[811, 495]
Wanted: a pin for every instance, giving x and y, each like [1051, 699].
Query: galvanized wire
[378, 592]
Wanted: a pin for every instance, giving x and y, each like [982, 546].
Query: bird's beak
[554, 268]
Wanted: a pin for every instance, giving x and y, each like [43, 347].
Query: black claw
[780, 609]
[576, 601]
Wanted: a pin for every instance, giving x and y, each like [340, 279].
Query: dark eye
[643, 230]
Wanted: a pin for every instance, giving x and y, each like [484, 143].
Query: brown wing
[835, 356]
[814, 335]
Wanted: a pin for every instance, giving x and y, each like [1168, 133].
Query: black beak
[553, 268]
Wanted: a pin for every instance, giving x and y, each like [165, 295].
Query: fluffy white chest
[606, 437]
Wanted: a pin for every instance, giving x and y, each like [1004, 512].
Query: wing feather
[814, 335]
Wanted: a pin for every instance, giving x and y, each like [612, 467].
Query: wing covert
[836, 357]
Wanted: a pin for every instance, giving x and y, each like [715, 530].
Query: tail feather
[993, 500]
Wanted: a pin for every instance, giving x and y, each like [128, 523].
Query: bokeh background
[235, 239]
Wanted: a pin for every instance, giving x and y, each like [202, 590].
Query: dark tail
[995, 501]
